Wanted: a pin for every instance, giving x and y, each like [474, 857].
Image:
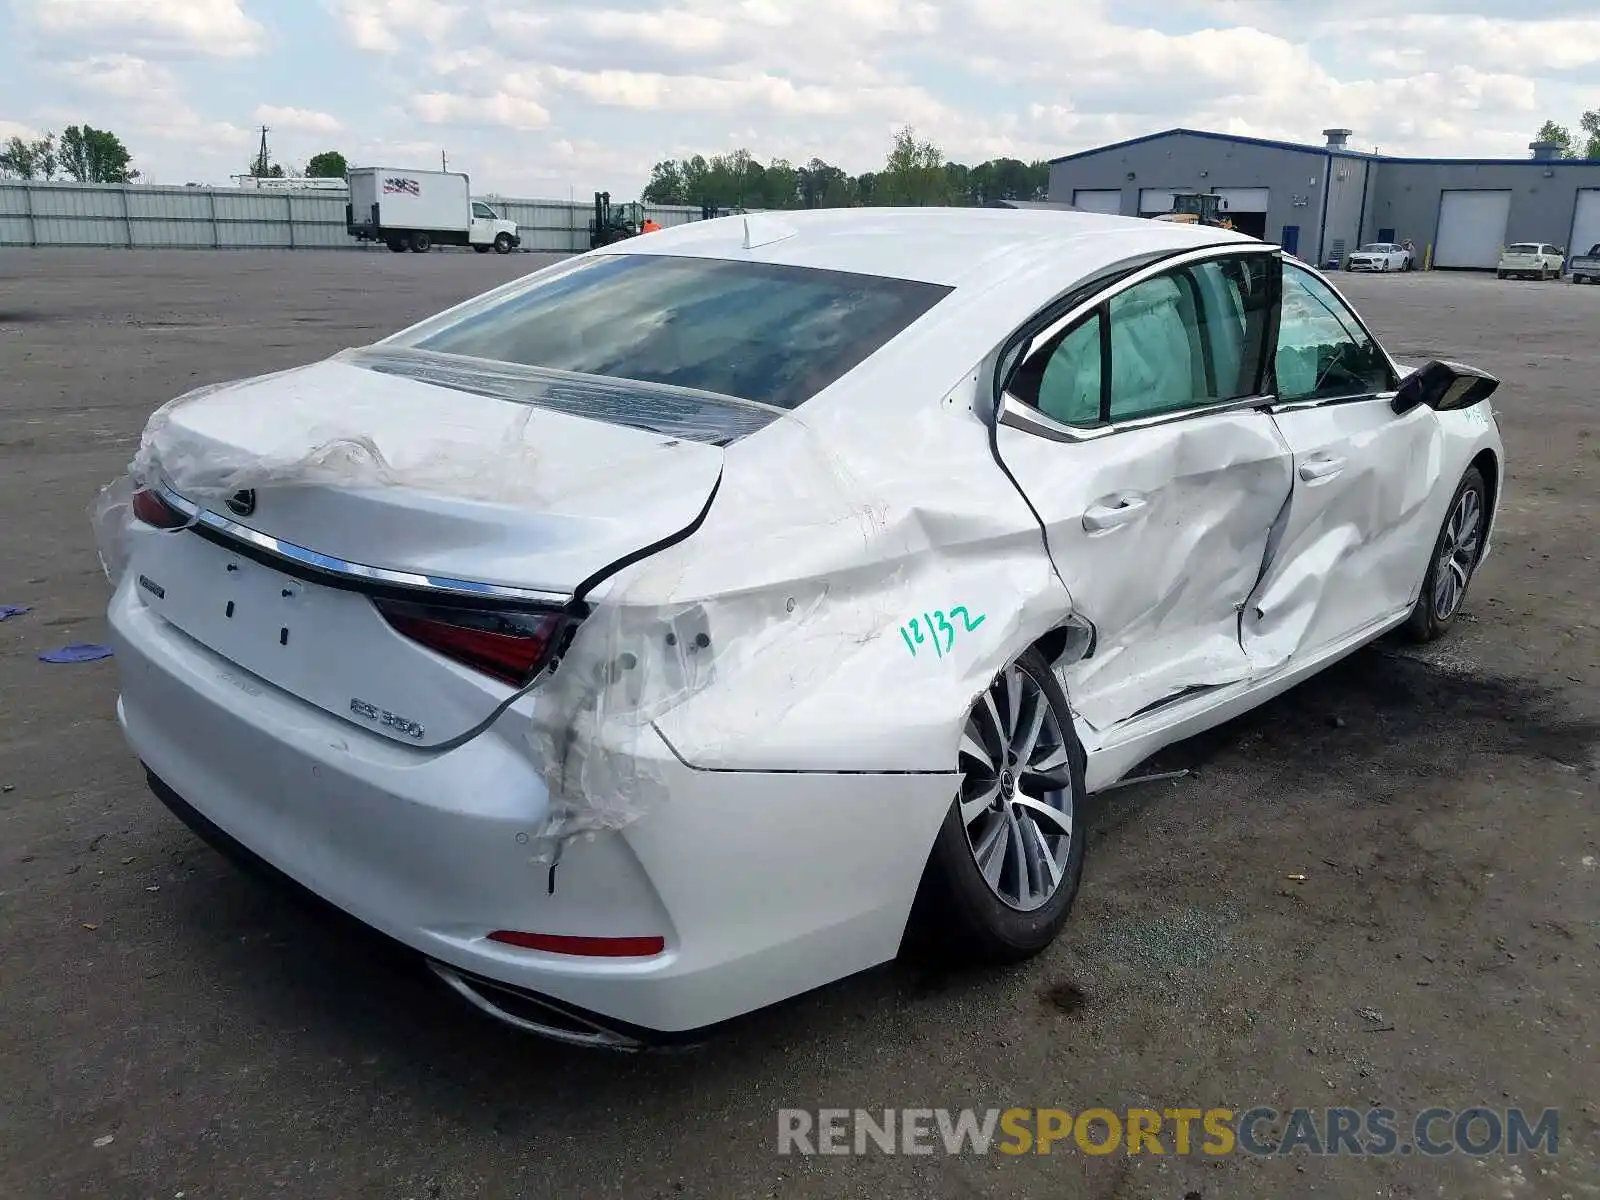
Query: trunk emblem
[243, 502]
[382, 716]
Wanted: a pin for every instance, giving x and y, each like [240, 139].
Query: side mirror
[1444, 387]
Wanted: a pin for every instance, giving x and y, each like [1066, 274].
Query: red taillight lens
[510, 646]
[589, 947]
[149, 507]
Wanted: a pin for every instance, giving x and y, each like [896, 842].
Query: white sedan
[685, 625]
[1380, 256]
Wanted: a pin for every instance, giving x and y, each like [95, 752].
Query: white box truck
[418, 210]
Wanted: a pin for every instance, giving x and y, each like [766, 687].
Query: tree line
[1584, 144]
[82, 153]
[915, 172]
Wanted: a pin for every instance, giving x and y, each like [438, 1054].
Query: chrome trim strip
[341, 568]
[1018, 415]
[1289, 406]
[602, 1038]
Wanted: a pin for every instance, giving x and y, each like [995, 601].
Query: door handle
[1317, 469]
[1112, 511]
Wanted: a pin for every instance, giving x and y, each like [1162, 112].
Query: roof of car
[951, 246]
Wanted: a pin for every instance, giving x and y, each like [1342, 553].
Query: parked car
[689, 623]
[1585, 268]
[1380, 256]
[1531, 260]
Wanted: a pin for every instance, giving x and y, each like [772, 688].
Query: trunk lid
[367, 481]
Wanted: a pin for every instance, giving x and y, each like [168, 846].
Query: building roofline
[1340, 152]
[1216, 137]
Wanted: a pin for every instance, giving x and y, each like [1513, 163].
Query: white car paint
[1379, 256]
[1538, 260]
[759, 782]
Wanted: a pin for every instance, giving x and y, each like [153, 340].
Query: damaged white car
[668, 632]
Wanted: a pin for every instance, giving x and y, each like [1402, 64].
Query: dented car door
[1135, 426]
[1350, 549]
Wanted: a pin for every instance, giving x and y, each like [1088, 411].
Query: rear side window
[774, 334]
[1189, 339]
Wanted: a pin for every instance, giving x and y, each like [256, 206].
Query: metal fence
[134, 216]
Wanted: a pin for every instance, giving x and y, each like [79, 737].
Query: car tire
[1014, 909]
[502, 243]
[482, 248]
[421, 243]
[1456, 552]
[397, 244]
[1499, 274]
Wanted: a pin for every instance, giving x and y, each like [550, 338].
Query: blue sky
[547, 97]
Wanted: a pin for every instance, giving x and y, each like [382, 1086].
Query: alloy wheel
[1458, 554]
[1017, 798]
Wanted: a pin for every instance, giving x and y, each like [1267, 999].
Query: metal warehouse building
[1322, 201]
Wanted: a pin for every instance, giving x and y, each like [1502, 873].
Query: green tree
[780, 185]
[19, 159]
[46, 156]
[93, 155]
[822, 185]
[1590, 124]
[1560, 135]
[913, 173]
[666, 184]
[330, 164]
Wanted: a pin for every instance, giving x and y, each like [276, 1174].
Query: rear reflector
[588, 947]
[510, 646]
[149, 507]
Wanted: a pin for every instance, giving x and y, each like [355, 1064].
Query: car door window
[1178, 341]
[1069, 389]
[1323, 352]
[481, 211]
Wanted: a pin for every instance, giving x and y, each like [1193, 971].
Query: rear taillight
[152, 509]
[510, 646]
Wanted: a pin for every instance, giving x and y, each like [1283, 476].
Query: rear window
[1523, 248]
[773, 334]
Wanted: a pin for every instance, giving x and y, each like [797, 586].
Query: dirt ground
[171, 1028]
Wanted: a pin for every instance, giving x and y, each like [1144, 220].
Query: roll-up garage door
[1154, 201]
[1250, 200]
[1472, 228]
[1585, 222]
[1098, 200]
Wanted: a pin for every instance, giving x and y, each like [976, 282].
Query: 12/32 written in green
[939, 629]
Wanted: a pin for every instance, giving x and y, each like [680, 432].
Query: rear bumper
[764, 885]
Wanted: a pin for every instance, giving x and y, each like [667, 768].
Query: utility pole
[262, 165]
[444, 163]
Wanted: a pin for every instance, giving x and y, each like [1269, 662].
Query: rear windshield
[1524, 248]
[773, 334]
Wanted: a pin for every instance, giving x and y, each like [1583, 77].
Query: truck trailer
[418, 210]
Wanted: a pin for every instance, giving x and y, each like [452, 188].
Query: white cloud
[302, 119]
[383, 26]
[218, 28]
[528, 93]
[499, 109]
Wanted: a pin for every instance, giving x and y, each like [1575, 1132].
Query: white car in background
[1380, 256]
[1531, 260]
[685, 625]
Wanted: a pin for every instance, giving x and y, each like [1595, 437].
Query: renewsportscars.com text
[1375, 1131]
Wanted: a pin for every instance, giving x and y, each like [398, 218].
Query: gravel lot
[1441, 805]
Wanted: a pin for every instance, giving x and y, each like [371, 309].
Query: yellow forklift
[1197, 208]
